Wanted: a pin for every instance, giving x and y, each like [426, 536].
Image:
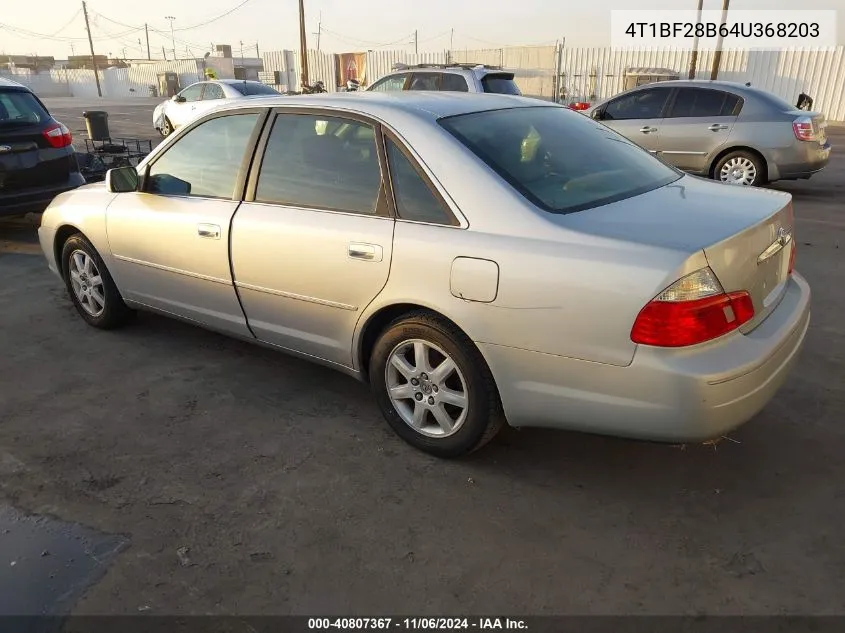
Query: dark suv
[37, 161]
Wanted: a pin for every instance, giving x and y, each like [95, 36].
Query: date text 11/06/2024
[423, 624]
[715, 29]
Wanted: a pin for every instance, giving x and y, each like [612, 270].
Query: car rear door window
[414, 198]
[642, 104]
[701, 102]
[733, 105]
[321, 162]
[425, 81]
[20, 108]
[212, 91]
[206, 161]
[391, 83]
[453, 83]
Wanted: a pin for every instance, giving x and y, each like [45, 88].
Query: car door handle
[717, 127]
[211, 231]
[648, 130]
[367, 252]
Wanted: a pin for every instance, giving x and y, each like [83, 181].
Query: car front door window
[212, 92]
[206, 161]
[642, 104]
[192, 93]
[391, 83]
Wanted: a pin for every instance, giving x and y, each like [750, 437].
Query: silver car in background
[722, 130]
[477, 259]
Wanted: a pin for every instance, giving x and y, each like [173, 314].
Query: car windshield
[560, 160]
[250, 89]
[18, 107]
[500, 84]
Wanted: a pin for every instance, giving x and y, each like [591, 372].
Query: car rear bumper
[671, 395]
[802, 160]
[35, 199]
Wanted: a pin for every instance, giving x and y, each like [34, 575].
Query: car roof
[430, 105]
[235, 81]
[8, 83]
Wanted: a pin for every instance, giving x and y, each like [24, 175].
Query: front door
[697, 126]
[313, 248]
[638, 116]
[182, 112]
[170, 241]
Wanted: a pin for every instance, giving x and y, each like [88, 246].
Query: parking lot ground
[248, 482]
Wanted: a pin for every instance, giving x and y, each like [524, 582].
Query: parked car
[37, 160]
[727, 131]
[201, 97]
[419, 243]
[448, 77]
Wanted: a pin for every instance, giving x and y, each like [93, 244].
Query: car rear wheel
[90, 285]
[166, 128]
[740, 168]
[434, 387]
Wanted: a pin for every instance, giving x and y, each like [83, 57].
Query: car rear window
[19, 107]
[500, 84]
[560, 160]
[252, 89]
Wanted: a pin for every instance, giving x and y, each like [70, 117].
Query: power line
[357, 41]
[214, 19]
[68, 23]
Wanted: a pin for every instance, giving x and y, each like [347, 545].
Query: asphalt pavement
[247, 482]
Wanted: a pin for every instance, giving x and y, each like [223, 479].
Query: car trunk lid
[734, 227]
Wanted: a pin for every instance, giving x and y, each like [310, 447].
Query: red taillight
[804, 129]
[693, 310]
[58, 135]
[579, 105]
[792, 257]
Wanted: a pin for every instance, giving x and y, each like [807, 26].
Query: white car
[201, 97]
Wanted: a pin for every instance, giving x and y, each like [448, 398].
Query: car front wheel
[90, 286]
[740, 168]
[166, 128]
[434, 387]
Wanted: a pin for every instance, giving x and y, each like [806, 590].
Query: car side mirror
[179, 98]
[598, 114]
[122, 179]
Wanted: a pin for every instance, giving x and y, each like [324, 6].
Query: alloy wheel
[87, 283]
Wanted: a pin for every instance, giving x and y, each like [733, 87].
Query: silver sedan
[477, 259]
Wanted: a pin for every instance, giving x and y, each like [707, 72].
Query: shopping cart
[100, 156]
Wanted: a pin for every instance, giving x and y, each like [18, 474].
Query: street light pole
[303, 47]
[717, 57]
[694, 57]
[172, 37]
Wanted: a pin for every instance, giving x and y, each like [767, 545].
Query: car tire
[90, 285]
[421, 413]
[166, 128]
[740, 168]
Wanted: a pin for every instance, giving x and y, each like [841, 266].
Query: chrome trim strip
[675, 151]
[291, 295]
[783, 239]
[178, 271]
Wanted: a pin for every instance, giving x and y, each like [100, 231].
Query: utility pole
[72, 51]
[694, 57]
[124, 52]
[717, 57]
[319, 30]
[257, 53]
[172, 37]
[416, 42]
[163, 53]
[91, 44]
[242, 52]
[303, 46]
[452, 40]
[147, 31]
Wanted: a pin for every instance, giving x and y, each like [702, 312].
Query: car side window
[701, 102]
[391, 83]
[321, 162]
[212, 91]
[425, 81]
[414, 198]
[733, 105]
[192, 93]
[453, 83]
[205, 162]
[642, 104]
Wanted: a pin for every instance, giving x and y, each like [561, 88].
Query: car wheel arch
[63, 234]
[376, 323]
[711, 172]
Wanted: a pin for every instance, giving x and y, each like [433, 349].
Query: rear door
[391, 83]
[312, 243]
[27, 158]
[425, 81]
[697, 125]
[638, 116]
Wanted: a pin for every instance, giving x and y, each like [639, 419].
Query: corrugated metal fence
[599, 73]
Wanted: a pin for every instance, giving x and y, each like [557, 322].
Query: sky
[57, 27]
